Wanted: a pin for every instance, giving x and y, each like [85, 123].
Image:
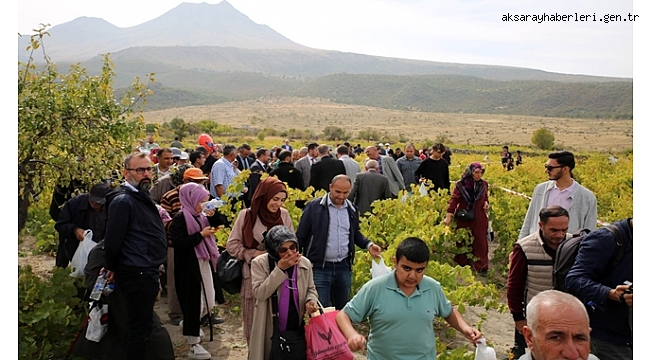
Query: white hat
[184, 155]
[380, 144]
[387, 144]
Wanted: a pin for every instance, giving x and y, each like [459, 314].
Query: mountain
[188, 24]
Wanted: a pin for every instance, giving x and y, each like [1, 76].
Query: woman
[472, 190]
[195, 255]
[245, 241]
[293, 280]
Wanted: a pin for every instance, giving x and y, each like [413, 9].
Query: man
[197, 159]
[561, 189]
[244, 160]
[165, 161]
[506, 159]
[531, 267]
[398, 154]
[151, 144]
[380, 149]
[558, 328]
[183, 159]
[447, 155]
[297, 154]
[387, 167]
[136, 246]
[287, 173]
[435, 169]
[323, 171]
[305, 163]
[352, 167]
[368, 187]
[176, 143]
[358, 150]
[223, 173]
[258, 168]
[327, 233]
[168, 182]
[389, 151]
[598, 279]
[286, 145]
[407, 165]
[82, 212]
[400, 307]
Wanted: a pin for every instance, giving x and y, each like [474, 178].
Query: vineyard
[393, 221]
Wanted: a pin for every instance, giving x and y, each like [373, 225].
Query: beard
[144, 185]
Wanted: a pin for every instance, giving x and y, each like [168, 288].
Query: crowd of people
[156, 233]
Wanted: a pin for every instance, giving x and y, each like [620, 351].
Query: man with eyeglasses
[561, 189]
[531, 267]
[135, 246]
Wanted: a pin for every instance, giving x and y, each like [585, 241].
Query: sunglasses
[141, 170]
[282, 250]
[549, 167]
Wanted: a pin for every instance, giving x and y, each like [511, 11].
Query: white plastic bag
[484, 352]
[97, 323]
[423, 190]
[80, 257]
[379, 268]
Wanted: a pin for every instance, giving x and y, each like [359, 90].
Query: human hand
[447, 220]
[486, 205]
[207, 231]
[289, 260]
[375, 250]
[624, 297]
[79, 234]
[519, 325]
[209, 213]
[472, 334]
[110, 276]
[356, 342]
[311, 306]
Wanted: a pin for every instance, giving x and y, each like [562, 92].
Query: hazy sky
[462, 31]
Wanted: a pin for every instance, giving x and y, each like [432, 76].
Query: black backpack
[568, 250]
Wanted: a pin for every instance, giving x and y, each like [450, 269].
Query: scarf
[471, 190]
[190, 196]
[264, 192]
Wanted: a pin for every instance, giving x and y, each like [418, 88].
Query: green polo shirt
[401, 327]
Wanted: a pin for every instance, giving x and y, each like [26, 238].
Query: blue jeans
[333, 282]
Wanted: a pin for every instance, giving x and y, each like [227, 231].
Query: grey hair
[372, 164]
[304, 150]
[323, 149]
[341, 177]
[550, 298]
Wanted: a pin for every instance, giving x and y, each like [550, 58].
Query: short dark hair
[506, 147]
[201, 149]
[245, 146]
[438, 147]
[343, 150]
[228, 149]
[284, 154]
[312, 146]
[414, 249]
[163, 150]
[564, 158]
[195, 155]
[552, 211]
[260, 152]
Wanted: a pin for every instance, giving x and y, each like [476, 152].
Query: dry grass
[477, 129]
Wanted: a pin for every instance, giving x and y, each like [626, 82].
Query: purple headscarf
[191, 195]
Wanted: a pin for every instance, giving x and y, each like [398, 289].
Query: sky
[460, 31]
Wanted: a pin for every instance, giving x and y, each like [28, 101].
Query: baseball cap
[184, 156]
[195, 174]
[176, 152]
[98, 193]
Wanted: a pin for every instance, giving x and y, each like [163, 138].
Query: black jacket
[322, 172]
[135, 236]
[287, 173]
[72, 216]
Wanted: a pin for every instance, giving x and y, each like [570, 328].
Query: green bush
[49, 313]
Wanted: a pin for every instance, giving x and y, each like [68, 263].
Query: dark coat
[322, 172]
[72, 216]
[287, 173]
[368, 187]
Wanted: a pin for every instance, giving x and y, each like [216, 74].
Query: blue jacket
[592, 276]
[313, 230]
[135, 236]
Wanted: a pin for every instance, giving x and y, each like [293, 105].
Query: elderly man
[352, 167]
[223, 173]
[305, 162]
[368, 187]
[322, 172]
[388, 168]
[558, 328]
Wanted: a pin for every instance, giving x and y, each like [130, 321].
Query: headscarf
[471, 190]
[264, 192]
[274, 238]
[190, 196]
[177, 173]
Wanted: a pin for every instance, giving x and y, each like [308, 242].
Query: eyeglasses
[549, 167]
[282, 250]
[141, 170]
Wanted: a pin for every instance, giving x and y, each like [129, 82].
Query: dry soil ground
[228, 342]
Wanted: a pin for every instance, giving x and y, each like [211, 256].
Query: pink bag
[324, 339]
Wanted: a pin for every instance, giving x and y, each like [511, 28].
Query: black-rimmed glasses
[141, 170]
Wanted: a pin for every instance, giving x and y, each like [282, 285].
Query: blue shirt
[401, 327]
[338, 234]
[222, 173]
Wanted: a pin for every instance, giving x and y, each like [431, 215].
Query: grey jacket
[305, 167]
[581, 215]
[395, 179]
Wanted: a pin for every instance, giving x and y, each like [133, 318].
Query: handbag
[464, 214]
[324, 339]
[229, 272]
[285, 345]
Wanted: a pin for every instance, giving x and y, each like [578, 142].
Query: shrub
[543, 138]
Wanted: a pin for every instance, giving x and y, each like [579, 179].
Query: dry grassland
[477, 129]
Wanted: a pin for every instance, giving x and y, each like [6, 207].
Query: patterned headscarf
[177, 173]
[470, 189]
[264, 192]
[275, 237]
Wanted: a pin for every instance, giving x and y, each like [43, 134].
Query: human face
[198, 206]
[436, 154]
[165, 160]
[372, 152]
[264, 157]
[276, 202]
[339, 191]
[245, 153]
[313, 152]
[408, 274]
[553, 169]
[409, 152]
[477, 174]
[554, 230]
[96, 206]
[287, 249]
[296, 156]
[139, 181]
[562, 333]
[200, 161]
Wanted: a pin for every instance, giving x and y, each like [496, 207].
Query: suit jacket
[304, 167]
[241, 160]
[287, 173]
[255, 177]
[395, 179]
[324, 171]
[368, 187]
[352, 167]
